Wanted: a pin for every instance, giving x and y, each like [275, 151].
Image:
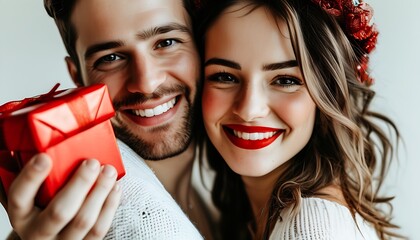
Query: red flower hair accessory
[355, 17]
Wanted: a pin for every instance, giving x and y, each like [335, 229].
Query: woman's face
[256, 107]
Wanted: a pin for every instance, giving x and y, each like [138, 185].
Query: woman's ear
[73, 71]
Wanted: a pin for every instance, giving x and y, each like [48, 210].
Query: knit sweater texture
[147, 211]
[324, 220]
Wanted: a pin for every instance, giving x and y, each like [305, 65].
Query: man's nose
[146, 74]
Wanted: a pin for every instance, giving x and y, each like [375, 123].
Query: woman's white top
[147, 210]
[325, 220]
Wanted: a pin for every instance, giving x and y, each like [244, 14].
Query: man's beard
[177, 139]
[168, 146]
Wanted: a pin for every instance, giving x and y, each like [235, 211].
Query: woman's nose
[251, 103]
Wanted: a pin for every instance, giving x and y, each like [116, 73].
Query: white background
[31, 62]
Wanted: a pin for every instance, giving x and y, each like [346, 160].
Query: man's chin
[170, 146]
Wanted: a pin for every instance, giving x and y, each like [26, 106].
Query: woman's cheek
[208, 103]
[295, 109]
[215, 103]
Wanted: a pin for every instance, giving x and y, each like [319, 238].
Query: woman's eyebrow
[223, 62]
[280, 65]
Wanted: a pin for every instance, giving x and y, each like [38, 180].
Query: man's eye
[166, 43]
[110, 58]
[222, 78]
[107, 61]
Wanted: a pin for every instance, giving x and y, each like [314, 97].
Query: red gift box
[70, 125]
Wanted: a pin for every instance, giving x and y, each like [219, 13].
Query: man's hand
[82, 209]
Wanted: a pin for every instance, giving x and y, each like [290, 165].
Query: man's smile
[158, 110]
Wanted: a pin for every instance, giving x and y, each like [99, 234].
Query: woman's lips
[251, 137]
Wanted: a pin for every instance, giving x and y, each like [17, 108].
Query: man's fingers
[109, 208]
[86, 204]
[24, 188]
[92, 206]
[64, 206]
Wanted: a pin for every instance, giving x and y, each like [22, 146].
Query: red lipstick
[250, 144]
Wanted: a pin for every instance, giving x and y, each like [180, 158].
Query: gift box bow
[72, 111]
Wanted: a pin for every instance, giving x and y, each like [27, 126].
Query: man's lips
[251, 137]
[153, 116]
[156, 111]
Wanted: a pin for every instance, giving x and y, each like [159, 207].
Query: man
[143, 50]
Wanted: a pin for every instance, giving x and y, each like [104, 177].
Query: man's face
[143, 50]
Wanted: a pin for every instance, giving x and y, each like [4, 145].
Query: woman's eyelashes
[287, 81]
[284, 81]
[223, 78]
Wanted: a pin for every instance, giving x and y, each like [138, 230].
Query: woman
[286, 109]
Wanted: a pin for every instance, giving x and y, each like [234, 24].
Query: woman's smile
[251, 137]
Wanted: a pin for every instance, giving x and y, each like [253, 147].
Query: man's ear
[74, 74]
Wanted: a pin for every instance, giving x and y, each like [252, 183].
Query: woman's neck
[259, 191]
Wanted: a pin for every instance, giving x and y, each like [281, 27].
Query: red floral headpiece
[355, 18]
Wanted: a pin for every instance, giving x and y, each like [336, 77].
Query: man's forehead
[137, 10]
[108, 18]
[174, 6]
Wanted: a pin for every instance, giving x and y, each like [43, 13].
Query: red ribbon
[16, 105]
[79, 109]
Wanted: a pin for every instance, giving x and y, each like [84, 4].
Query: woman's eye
[222, 78]
[287, 81]
[166, 43]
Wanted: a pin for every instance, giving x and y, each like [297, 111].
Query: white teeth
[155, 111]
[253, 136]
[149, 112]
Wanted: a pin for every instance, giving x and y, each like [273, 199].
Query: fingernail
[108, 171]
[40, 163]
[92, 164]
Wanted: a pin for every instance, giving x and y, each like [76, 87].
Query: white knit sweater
[147, 210]
[324, 220]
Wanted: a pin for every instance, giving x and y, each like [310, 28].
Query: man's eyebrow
[223, 62]
[142, 35]
[101, 47]
[162, 29]
[280, 65]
